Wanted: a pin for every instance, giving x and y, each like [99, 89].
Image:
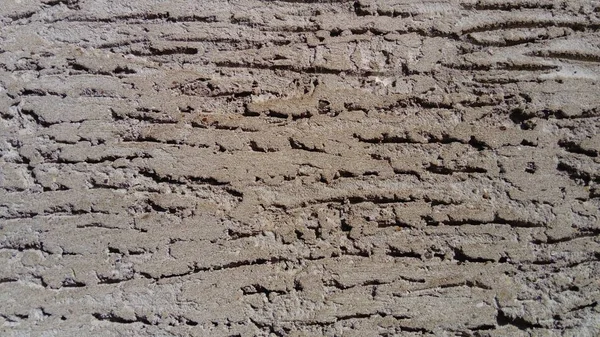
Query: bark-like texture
[275, 168]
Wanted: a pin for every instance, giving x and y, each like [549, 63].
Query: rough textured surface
[299, 167]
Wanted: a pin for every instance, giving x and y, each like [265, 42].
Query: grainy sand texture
[299, 168]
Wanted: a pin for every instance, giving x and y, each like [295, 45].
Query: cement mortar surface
[299, 168]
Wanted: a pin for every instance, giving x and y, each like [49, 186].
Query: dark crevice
[277, 114]
[462, 257]
[580, 177]
[236, 235]
[23, 15]
[298, 69]
[500, 66]
[385, 138]
[259, 289]
[173, 51]
[231, 265]
[583, 233]
[110, 317]
[70, 283]
[496, 220]
[477, 144]
[144, 18]
[503, 319]
[107, 280]
[71, 4]
[414, 329]
[584, 306]
[36, 118]
[506, 6]
[528, 24]
[448, 171]
[8, 279]
[186, 180]
[576, 148]
[355, 316]
[567, 55]
[298, 145]
[395, 252]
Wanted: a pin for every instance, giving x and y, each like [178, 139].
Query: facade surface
[299, 168]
